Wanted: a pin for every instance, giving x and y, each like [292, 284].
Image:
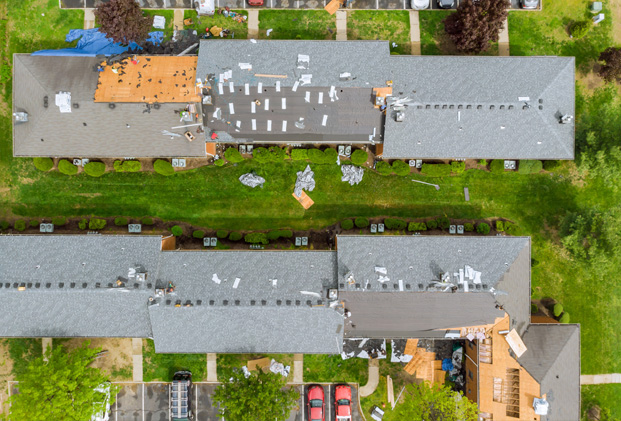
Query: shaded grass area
[606, 396]
[393, 26]
[169, 15]
[163, 366]
[228, 363]
[433, 39]
[297, 24]
[22, 351]
[400, 378]
[546, 32]
[332, 368]
[239, 30]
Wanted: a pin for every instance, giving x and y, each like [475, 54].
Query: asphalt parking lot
[270, 4]
[149, 402]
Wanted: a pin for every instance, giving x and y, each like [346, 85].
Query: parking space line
[143, 402]
[377, 4]
[116, 409]
[196, 398]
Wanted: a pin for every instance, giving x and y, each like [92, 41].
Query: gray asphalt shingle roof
[553, 359]
[94, 129]
[246, 329]
[60, 275]
[446, 82]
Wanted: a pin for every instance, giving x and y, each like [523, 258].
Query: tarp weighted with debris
[352, 174]
[252, 180]
[93, 43]
[305, 181]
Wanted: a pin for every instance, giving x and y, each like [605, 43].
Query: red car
[255, 2]
[342, 402]
[316, 403]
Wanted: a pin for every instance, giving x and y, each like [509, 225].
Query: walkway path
[89, 18]
[137, 359]
[414, 33]
[212, 367]
[373, 381]
[503, 40]
[298, 368]
[600, 378]
[178, 20]
[253, 24]
[341, 25]
[45, 343]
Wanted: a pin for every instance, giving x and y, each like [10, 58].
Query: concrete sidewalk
[212, 367]
[600, 378]
[414, 33]
[137, 359]
[298, 368]
[253, 24]
[341, 25]
[89, 18]
[373, 381]
[503, 39]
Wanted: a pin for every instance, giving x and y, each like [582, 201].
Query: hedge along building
[296, 92]
[303, 302]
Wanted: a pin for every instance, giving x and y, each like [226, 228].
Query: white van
[205, 7]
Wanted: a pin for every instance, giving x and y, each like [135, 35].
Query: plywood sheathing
[423, 363]
[304, 200]
[333, 6]
[210, 149]
[501, 361]
[382, 93]
[168, 243]
[153, 79]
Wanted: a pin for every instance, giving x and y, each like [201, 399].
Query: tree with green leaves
[61, 388]
[123, 21]
[260, 397]
[434, 403]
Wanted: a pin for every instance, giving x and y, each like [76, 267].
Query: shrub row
[273, 154]
[436, 170]
[92, 224]
[127, 166]
[233, 155]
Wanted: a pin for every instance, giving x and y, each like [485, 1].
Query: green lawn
[297, 24]
[433, 40]
[546, 33]
[393, 26]
[169, 14]
[162, 367]
[239, 30]
[332, 368]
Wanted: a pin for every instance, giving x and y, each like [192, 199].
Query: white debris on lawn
[352, 174]
[251, 180]
[305, 181]
[403, 358]
[347, 356]
[246, 371]
[280, 368]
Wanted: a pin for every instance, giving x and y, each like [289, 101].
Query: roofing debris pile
[352, 174]
[251, 180]
[398, 355]
[305, 181]
[364, 348]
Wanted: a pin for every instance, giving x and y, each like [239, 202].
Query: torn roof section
[457, 107]
[91, 129]
[553, 359]
[405, 284]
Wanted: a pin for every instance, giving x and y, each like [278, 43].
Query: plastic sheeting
[352, 174]
[305, 181]
[251, 180]
[93, 43]
[279, 368]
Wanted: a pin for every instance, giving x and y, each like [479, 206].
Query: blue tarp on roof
[92, 43]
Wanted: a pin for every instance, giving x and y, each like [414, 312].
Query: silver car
[419, 4]
[529, 4]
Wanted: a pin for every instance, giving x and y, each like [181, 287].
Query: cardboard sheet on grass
[267, 364]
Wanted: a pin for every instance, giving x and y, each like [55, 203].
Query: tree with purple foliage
[610, 60]
[123, 21]
[475, 25]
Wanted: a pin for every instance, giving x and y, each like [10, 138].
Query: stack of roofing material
[352, 174]
[305, 181]
[422, 362]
